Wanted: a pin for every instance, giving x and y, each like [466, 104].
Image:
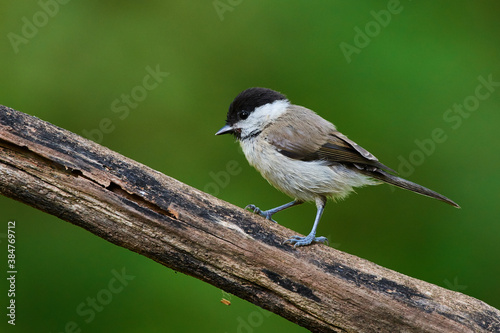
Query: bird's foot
[304, 241]
[265, 213]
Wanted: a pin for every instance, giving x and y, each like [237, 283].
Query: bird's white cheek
[262, 116]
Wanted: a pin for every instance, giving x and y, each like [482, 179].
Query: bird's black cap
[250, 99]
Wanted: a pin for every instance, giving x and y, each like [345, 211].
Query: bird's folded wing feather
[317, 139]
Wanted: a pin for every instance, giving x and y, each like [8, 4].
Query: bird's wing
[317, 139]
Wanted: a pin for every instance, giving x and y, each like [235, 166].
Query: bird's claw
[263, 213]
[255, 209]
[297, 241]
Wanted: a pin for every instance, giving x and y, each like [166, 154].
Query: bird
[304, 156]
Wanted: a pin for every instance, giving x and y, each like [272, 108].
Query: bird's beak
[225, 130]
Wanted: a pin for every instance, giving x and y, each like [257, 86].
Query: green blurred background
[72, 63]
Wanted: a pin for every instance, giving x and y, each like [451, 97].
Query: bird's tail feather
[407, 185]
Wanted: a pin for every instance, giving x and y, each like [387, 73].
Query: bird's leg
[270, 212]
[303, 241]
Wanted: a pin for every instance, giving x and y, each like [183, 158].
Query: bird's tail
[407, 185]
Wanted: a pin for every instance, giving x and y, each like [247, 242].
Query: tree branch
[180, 227]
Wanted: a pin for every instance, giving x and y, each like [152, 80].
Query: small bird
[303, 155]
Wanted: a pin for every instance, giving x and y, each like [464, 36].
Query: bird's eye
[243, 114]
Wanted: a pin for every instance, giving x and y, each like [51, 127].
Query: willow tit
[303, 155]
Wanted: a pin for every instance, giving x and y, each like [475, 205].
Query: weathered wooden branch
[180, 227]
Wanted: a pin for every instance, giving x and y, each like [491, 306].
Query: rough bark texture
[180, 227]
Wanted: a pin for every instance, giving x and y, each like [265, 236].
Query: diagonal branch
[180, 227]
